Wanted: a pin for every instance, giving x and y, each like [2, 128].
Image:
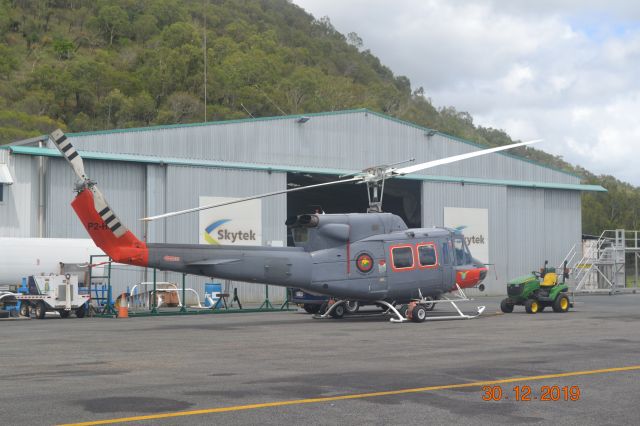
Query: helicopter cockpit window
[427, 255]
[463, 256]
[300, 235]
[402, 257]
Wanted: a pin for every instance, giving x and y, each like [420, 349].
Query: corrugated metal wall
[344, 141]
[19, 210]
[526, 226]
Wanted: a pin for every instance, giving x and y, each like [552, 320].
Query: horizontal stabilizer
[213, 262]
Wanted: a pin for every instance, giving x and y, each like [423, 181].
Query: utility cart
[52, 293]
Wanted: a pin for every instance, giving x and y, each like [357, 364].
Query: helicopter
[371, 257]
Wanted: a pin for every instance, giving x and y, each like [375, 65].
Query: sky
[566, 71]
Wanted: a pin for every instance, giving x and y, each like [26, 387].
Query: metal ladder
[602, 266]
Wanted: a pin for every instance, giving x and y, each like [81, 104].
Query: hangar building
[517, 213]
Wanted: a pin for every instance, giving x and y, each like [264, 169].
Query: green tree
[144, 27]
[63, 48]
[113, 21]
[8, 62]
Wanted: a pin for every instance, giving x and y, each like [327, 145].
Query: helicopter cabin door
[414, 268]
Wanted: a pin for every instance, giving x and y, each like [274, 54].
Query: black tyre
[338, 311]
[64, 313]
[561, 304]
[429, 306]
[351, 306]
[419, 313]
[40, 309]
[532, 306]
[24, 309]
[311, 308]
[506, 307]
[541, 306]
[81, 311]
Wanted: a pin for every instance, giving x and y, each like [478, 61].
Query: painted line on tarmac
[350, 396]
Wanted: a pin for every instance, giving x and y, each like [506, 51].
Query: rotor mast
[374, 178]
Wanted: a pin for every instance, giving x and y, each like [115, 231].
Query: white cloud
[566, 71]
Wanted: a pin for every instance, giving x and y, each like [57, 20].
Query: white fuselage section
[21, 257]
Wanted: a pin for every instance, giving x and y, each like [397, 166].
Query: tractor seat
[550, 279]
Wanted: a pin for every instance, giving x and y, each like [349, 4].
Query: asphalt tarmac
[286, 368]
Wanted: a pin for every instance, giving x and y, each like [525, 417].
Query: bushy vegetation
[100, 64]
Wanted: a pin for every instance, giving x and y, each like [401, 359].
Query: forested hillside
[102, 64]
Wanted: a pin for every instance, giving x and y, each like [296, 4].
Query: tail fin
[102, 224]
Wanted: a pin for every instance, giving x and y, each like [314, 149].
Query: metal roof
[288, 117]
[90, 155]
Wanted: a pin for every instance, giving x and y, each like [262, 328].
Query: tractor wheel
[532, 306]
[419, 313]
[81, 311]
[64, 313]
[40, 309]
[311, 308]
[338, 312]
[506, 307]
[352, 306]
[24, 309]
[561, 303]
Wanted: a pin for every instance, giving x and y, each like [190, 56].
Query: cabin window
[463, 257]
[1, 192]
[427, 255]
[445, 253]
[402, 257]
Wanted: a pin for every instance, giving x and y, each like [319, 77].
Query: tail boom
[121, 247]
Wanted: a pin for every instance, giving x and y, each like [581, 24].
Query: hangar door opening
[402, 197]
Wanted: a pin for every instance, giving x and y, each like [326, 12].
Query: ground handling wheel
[352, 306]
[24, 308]
[40, 309]
[429, 305]
[419, 313]
[339, 311]
[506, 307]
[64, 313]
[532, 306]
[561, 304]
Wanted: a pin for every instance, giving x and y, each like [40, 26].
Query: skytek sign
[235, 224]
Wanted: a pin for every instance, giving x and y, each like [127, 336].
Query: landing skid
[398, 317]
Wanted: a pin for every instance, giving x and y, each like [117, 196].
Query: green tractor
[538, 291]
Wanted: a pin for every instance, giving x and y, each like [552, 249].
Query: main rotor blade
[254, 197]
[434, 163]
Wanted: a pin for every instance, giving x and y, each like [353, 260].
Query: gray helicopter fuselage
[358, 256]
